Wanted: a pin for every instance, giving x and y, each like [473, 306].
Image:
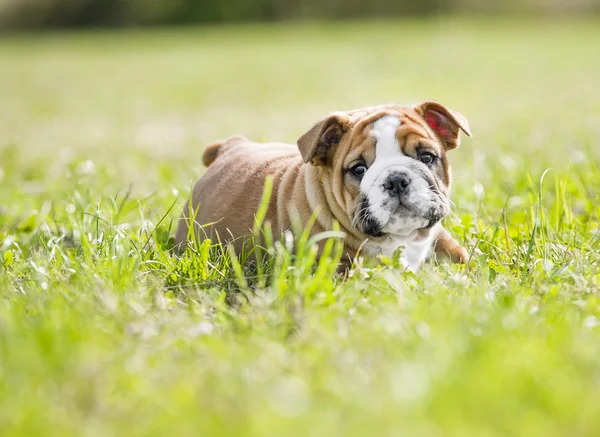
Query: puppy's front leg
[446, 248]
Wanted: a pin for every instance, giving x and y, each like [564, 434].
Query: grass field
[102, 332]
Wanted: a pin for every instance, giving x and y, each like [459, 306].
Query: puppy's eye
[358, 170]
[427, 158]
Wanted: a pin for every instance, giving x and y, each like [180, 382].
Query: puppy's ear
[317, 142]
[444, 122]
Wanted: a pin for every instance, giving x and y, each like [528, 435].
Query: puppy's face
[386, 166]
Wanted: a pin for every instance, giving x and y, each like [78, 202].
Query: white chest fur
[414, 250]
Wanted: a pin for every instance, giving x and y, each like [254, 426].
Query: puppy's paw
[459, 254]
[446, 248]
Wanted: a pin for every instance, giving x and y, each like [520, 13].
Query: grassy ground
[102, 134]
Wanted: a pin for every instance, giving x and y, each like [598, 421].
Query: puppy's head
[386, 166]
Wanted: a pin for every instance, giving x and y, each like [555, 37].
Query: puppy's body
[230, 191]
[375, 211]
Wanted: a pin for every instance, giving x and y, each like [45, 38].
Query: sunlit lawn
[102, 332]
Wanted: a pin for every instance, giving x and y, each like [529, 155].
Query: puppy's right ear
[316, 144]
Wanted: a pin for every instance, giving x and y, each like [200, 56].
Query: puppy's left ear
[444, 122]
[318, 141]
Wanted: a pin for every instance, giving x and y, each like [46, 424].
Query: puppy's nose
[397, 184]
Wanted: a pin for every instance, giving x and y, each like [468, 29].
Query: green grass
[102, 332]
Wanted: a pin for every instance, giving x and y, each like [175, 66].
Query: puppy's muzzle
[399, 184]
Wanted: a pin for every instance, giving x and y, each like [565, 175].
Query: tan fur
[306, 178]
[211, 152]
[446, 248]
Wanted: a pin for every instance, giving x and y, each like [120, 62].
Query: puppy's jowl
[380, 172]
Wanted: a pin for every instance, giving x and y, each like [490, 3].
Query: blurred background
[36, 14]
[105, 107]
[152, 81]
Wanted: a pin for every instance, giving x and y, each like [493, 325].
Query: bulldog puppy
[380, 172]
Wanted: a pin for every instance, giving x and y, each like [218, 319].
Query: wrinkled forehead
[383, 123]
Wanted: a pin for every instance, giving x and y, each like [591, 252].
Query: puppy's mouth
[366, 223]
[434, 217]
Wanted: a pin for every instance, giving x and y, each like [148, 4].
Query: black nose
[397, 183]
